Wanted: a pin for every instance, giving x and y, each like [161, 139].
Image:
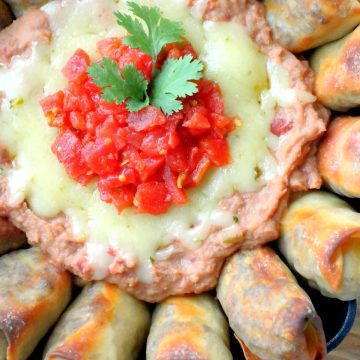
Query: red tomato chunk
[143, 159]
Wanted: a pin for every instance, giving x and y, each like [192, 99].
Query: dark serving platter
[337, 316]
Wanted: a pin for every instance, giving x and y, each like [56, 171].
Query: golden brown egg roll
[272, 317]
[320, 238]
[33, 294]
[301, 25]
[189, 327]
[339, 156]
[19, 7]
[337, 72]
[5, 15]
[11, 238]
[104, 322]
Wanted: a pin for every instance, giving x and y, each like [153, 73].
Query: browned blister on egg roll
[11, 238]
[320, 237]
[33, 293]
[339, 156]
[337, 72]
[104, 322]
[301, 25]
[272, 317]
[188, 327]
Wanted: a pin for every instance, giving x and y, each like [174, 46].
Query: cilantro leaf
[160, 31]
[130, 86]
[173, 81]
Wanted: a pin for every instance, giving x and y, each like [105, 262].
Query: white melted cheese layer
[231, 58]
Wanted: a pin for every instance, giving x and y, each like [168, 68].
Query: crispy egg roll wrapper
[337, 72]
[339, 156]
[104, 322]
[5, 15]
[11, 238]
[320, 238]
[301, 25]
[33, 294]
[272, 317]
[189, 328]
[19, 7]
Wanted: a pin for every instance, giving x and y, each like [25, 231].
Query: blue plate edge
[345, 328]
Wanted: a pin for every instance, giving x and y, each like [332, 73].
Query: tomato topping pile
[143, 159]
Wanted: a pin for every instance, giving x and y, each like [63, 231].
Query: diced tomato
[134, 138]
[146, 118]
[51, 102]
[123, 198]
[188, 49]
[210, 95]
[67, 147]
[177, 159]
[123, 176]
[111, 129]
[217, 149]
[142, 159]
[177, 194]
[101, 156]
[280, 126]
[156, 142]
[150, 166]
[75, 68]
[220, 121]
[111, 48]
[53, 108]
[200, 164]
[93, 89]
[93, 120]
[175, 53]
[197, 121]
[77, 120]
[106, 108]
[143, 62]
[131, 156]
[152, 197]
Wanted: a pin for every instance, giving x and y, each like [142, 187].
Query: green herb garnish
[159, 32]
[173, 81]
[130, 85]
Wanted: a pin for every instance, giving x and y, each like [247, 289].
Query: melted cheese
[231, 59]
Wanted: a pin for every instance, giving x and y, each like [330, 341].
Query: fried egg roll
[11, 238]
[339, 156]
[320, 238]
[188, 327]
[104, 322]
[272, 317]
[301, 25]
[337, 72]
[19, 7]
[33, 294]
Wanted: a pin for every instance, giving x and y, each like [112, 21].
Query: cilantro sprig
[130, 86]
[160, 31]
[173, 81]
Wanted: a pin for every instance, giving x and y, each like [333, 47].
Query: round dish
[185, 255]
